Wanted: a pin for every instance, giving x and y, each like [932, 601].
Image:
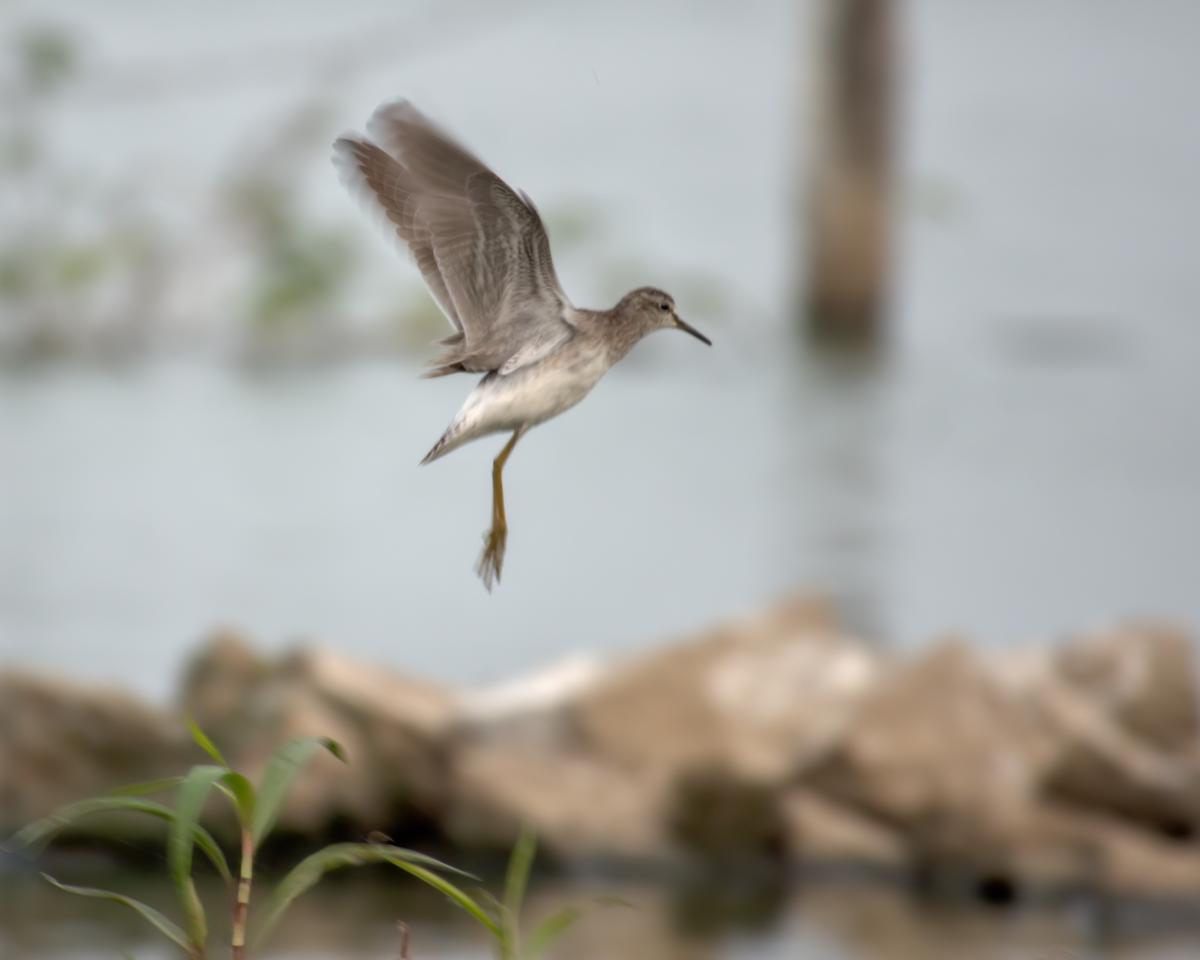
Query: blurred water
[352, 916]
[1021, 462]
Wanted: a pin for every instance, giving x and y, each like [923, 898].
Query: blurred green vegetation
[96, 264]
[49, 57]
[300, 268]
[78, 260]
[85, 269]
[257, 810]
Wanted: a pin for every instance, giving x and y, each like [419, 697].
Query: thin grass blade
[489, 897]
[193, 914]
[241, 791]
[454, 893]
[520, 862]
[185, 819]
[281, 771]
[312, 868]
[33, 838]
[189, 804]
[149, 913]
[203, 741]
[204, 840]
[551, 929]
[555, 925]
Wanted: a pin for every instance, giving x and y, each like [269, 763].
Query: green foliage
[301, 268]
[88, 265]
[189, 804]
[300, 276]
[257, 810]
[203, 741]
[503, 917]
[33, 838]
[311, 869]
[516, 881]
[281, 771]
[157, 919]
[49, 56]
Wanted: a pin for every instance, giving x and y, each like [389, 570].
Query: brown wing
[481, 248]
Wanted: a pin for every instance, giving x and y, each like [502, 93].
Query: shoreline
[776, 739]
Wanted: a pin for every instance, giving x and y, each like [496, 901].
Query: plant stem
[241, 907]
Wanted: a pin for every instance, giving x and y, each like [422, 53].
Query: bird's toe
[492, 559]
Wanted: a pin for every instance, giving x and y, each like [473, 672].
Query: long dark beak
[687, 328]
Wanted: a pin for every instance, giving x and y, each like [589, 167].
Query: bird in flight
[483, 252]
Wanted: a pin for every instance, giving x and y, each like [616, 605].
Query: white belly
[529, 396]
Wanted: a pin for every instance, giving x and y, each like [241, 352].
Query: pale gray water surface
[143, 506]
[1024, 461]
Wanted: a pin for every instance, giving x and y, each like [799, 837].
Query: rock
[220, 682]
[820, 831]
[941, 752]
[535, 710]
[1098, 761]
[686, 747]
[1143, 676]
[760, 698]
[1064, 847]
[720, 815]
[1136, 865]
[405, 726]
[581, 807]
[395, 731]
[775, 735]
[61, 742]
[960, 756]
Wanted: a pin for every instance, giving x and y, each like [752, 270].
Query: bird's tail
[445, 444]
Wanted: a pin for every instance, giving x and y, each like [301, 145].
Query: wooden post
[849, 188]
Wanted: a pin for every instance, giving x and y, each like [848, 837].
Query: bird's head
[649, 309]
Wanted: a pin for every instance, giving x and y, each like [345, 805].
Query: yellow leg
[495, 540]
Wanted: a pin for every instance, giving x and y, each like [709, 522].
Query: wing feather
[482, 248]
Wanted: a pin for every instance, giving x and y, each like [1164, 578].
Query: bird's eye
[664, 306]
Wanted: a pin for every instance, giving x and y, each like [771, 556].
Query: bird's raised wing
[480, 246]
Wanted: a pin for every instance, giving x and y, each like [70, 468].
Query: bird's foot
[492, 558]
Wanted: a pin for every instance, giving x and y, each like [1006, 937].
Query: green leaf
[335, 748]
[281, 771]
[515, 883]
[189, 804]
[156, 918]
[310, 870]
[34, 837]
[31, 839]
[201, 738]
[146, 787]
[551, 929]
[491, 899]
[204, 840]
[560, 921]
[193, 913]
[450, 890]
[244, 797]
